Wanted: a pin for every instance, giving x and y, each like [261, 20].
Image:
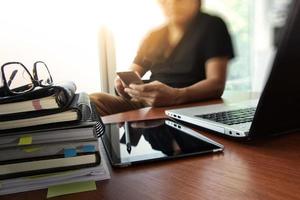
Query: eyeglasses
[18, 80]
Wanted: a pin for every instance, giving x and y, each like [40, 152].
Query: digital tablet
[146, 141]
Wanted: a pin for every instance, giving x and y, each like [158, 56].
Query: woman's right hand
[119, 86]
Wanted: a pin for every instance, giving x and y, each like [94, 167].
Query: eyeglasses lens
[43, 76]
[17, 78]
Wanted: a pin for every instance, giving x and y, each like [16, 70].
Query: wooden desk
[261, 170]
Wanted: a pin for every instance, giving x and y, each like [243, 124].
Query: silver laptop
[275, 112]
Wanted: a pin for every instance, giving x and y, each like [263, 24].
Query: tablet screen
[144, 141]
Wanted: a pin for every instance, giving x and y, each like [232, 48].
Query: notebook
[26, 160]
[48, 136]
[79, 109]
[55, 96]
[36, 182]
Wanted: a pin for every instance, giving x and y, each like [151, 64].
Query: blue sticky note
[70, 152]
[88, 148]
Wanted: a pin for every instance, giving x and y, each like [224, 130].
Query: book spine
[47, 170]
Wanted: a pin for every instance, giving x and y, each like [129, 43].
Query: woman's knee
[99, 97]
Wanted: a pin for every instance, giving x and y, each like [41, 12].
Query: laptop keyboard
[231, 117]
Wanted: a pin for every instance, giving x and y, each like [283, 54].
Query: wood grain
[264, 169]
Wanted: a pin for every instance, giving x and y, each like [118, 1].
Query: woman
[187, 57]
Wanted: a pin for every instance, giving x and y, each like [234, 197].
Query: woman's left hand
[154, 94]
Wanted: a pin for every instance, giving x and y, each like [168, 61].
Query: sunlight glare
[130, 21]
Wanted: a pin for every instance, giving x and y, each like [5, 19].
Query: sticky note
[88, 148]
[71, 188]
[25, 140]
[70, 152]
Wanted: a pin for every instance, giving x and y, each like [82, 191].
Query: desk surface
[260, 170]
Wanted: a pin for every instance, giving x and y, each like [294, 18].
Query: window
[238, 17]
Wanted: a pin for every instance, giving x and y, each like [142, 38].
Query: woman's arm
[212, 87]
[159, 94]
[138, 69]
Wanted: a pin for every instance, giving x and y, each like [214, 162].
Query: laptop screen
[279, 106]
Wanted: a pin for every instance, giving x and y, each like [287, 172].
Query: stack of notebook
[49, 137]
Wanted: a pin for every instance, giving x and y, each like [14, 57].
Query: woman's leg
[107, 104]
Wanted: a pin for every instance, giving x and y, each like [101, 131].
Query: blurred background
[87, 41]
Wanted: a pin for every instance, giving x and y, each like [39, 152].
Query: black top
[206, 37]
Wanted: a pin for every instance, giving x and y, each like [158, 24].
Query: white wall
[61, 33]
[64, 34]
[130, 23]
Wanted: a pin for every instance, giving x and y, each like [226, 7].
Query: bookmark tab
[88, 148]
[25, 140]
[71, 188]
[36, 104]
[71, 152]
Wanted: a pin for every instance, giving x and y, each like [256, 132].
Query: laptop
[278, 108]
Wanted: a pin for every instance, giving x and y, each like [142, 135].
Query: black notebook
[56, 96]
[79, 110]
[27, 160]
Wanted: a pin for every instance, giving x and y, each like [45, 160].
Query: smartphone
[129, 77]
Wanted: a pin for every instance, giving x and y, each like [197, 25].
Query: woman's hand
[119, 86]
[154, 94]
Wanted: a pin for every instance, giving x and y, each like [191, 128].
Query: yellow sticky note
[71, 188]
[25, 140]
